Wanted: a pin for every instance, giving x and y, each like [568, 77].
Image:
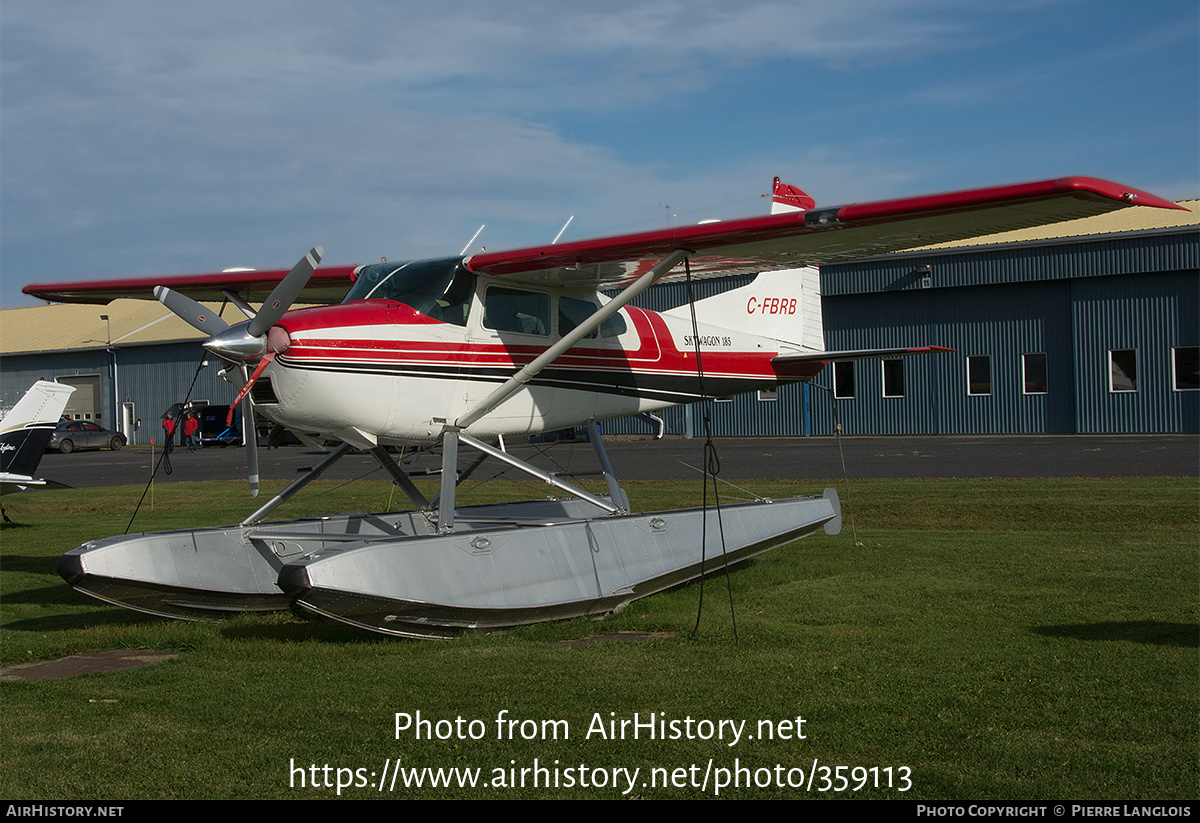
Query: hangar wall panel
[1149, 315]
[1061, 305]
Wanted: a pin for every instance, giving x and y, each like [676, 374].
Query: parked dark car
[72, 435]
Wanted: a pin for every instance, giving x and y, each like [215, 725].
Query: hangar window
[893, 378]
[1185, 367]
[843, 379]
[979, 374]
[1122, 370]
[1033, 373]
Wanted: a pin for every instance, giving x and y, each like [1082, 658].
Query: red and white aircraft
[468, 350]
[518, 342]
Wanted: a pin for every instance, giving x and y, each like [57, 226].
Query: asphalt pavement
[1162, 455]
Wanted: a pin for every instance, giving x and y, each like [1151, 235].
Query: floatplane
[459, 353]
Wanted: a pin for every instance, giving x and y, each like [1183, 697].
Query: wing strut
[452, 434]
[528, 372]
[452, 438]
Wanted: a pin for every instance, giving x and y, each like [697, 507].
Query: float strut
[400, 478]
[449, 479]
[297, 484]
[610, 477]
[533, 471]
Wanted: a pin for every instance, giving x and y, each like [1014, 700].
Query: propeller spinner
[245, 342]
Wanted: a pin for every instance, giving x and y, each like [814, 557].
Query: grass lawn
[984, 639]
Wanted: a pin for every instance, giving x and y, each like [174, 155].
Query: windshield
[440, 289]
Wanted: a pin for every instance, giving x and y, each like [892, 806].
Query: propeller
[191, 312]
[246, 342]
[257, 338]
[284, 294]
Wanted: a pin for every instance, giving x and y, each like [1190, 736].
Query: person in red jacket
[190, 427]
[168, 425]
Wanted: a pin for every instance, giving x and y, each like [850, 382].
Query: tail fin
[785, 198]
[25, 431]
[782, 305]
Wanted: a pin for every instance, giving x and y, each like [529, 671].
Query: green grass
[1000, 639]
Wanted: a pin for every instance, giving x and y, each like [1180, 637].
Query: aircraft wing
[327, 285]
[815, 236]
[744, 246]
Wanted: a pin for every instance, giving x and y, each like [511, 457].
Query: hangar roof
[1117, 222]
[65, 326]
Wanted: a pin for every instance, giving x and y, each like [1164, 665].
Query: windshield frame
[441, 288]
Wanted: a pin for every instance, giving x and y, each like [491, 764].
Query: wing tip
[1116, 191]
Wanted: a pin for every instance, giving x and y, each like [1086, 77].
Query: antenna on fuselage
[472, 240]
[560, 231]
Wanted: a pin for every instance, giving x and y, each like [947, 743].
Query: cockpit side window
[512, 310]
[614, 326]
[455, 304]
[571, 312]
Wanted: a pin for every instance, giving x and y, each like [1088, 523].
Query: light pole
[112, 367]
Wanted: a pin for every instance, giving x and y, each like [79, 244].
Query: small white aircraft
[24, 434]
[462, 352]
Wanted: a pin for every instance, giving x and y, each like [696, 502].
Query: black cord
[712, 467]
[837, 436]
[164, 458]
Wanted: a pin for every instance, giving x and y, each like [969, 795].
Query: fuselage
[391, 369]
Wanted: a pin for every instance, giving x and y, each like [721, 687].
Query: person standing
[190, 428]
[168, 425]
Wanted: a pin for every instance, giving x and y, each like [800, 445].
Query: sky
[139, 137]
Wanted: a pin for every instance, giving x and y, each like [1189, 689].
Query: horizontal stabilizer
[858, 354]
[10, 483]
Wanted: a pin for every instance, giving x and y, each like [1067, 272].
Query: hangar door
[84, 404]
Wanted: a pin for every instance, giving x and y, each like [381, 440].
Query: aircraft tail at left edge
[26, 430]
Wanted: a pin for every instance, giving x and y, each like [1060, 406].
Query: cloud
[143, 136]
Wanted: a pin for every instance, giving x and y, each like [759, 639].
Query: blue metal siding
[1003, 323]
[153, 378]
[872, 321]
[1016, 264]
[1151, 315]
[1072, 302]
[745, 413]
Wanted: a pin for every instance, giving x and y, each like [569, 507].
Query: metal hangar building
[1088, 326]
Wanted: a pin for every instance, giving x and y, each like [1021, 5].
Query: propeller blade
[190, 311]
[245, 391]
[250, 435]
[282, 296]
